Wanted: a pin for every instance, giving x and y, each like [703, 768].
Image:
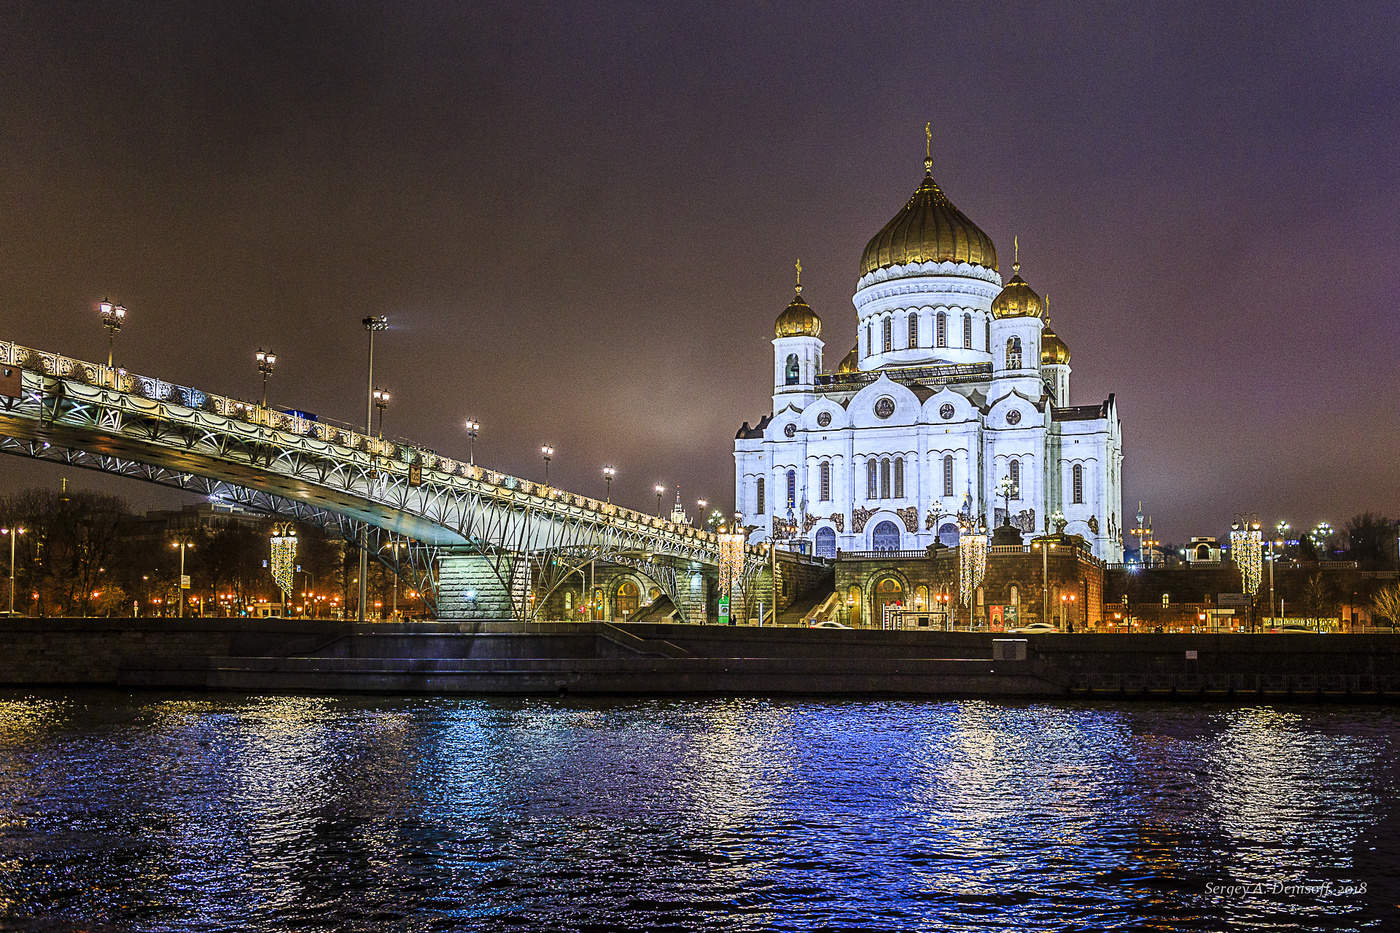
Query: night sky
[581, 220]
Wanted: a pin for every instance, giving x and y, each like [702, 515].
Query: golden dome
[797, 320]
[929, 229]
[851, 362]
[1053, 351]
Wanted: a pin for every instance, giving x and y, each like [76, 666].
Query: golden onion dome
[1053, 351]
[797, 320]
[1017, 299]
[851, 363]
[929, 229]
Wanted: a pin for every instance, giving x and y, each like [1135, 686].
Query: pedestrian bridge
[481, 540]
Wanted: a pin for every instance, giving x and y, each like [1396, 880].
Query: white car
[1034, 628]
[828, 623]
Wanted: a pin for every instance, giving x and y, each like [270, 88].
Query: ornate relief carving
[839, 521]
[911, 519]
[859, 517]
[808, 521]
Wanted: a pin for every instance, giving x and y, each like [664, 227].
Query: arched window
[899, 478]
[967, 331]
[942, 329]
[1078, 483]
[1015, 597]
[791, 489]
[920, 597]
[987, 339]
[913, 329]
[871, 489]
[1013, 353]
[824, 481]
[760, 500]
[792, 372]
[1202, 552]
[885, 478]
[885, 537]
[1015, 473]
[947, 474]
[886, 329]
[869, 339]
[825, 543]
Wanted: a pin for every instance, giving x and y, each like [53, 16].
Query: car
[1034, 628]
[828, 623]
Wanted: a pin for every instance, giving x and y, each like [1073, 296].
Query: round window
[946, 411]
[823, 419]
[884, 406]
[790, 430]
[1013, 416]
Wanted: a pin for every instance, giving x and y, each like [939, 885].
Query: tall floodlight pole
[373, 325]
[181, 545]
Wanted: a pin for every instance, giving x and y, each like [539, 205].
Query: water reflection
[149, 812]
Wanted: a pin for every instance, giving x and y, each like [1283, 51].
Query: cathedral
[953, 408]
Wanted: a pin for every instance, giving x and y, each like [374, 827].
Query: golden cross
[1015, 250]
[799, 275]
[928, 140]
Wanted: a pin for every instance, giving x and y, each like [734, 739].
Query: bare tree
[1387, 605]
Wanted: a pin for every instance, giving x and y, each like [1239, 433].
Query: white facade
[886, 453]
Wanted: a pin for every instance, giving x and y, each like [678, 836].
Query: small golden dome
[1053, 351]
[797, 320]
[851, 363]
[929, 229]
[1017, 299]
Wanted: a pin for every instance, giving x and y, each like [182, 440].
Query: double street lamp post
[373, 325]
[608, 474]
[267, 361]
[547, 452]
[181, 545]
[473, 426]
[113, 317]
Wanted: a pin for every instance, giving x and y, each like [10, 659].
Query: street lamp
[373, 325]
[181, 545]
[659, 490]
[472, 428]
[700, 506]
[381, 402]
[548, 453]
[113, 316]
[1006, 488]
[13, 534]
[267, 361]
[608, 474]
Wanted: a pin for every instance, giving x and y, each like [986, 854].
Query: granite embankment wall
[487, 657]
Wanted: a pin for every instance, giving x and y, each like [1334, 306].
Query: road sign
[184, 581]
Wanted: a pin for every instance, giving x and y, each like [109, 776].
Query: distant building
[954, 403]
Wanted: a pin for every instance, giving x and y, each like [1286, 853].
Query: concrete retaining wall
[495, 657]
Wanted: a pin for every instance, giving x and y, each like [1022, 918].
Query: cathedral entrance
[885, 537]
[826, 543]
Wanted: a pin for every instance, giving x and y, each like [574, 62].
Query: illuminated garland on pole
[972, 560]
[1247, 549]
[284, 556]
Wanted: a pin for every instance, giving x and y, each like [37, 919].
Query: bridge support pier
[470, 588]
[693, 591]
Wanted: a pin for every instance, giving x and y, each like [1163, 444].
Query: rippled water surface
[150, 812]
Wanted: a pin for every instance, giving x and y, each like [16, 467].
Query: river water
[210, 812]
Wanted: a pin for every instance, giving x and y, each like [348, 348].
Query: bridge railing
[294, 422]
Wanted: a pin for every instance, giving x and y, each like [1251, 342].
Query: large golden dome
[797, 320]
[1053, 351]
[929, 229]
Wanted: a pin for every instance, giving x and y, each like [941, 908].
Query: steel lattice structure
[287, 465]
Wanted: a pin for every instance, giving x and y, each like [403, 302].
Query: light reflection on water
[152, 812]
